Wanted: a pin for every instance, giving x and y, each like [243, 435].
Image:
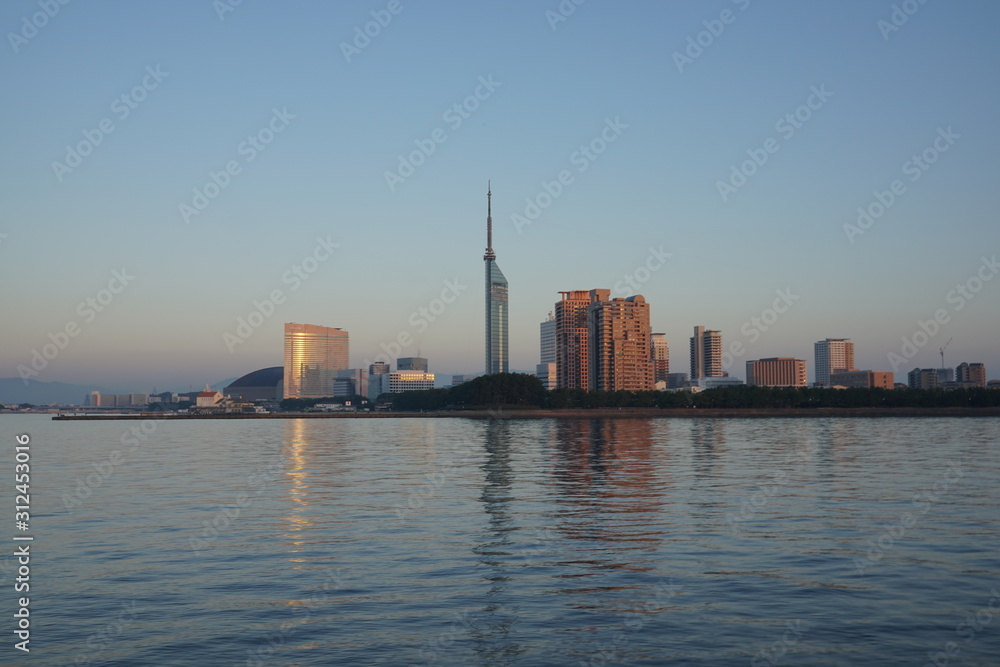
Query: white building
[397, 382]
[547, 340]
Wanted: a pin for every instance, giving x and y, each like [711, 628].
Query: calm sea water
[553, 542]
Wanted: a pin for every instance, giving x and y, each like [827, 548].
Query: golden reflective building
[313, 355]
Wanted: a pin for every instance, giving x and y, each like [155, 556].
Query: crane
[941, 350]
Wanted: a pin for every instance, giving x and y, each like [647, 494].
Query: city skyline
[172, 202]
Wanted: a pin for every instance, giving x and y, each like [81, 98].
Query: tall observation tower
[496, 301]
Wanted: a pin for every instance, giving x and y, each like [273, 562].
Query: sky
[783, 172]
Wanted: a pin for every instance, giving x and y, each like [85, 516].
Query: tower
[706, 353]
[660, 354]
[496, 301]
[313, 355]
[619, 343]
[833, 355]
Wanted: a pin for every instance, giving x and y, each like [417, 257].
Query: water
[551, 542]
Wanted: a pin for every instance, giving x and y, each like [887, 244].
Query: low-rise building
[863, 379]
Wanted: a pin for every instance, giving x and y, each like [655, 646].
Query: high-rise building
[572, 351]
[313, 355]
[922, 378]
[496, 302]
[351, 382]
[660, 355]
[777, 372]
[945, 375]
[833, 355]
[619, 343]
[706, 354]
[547, 340]
[379, 368]
[411, 364]
[975, 373]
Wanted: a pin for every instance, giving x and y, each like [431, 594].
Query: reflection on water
[508, 542]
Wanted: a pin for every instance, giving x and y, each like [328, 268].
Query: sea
[450, 541]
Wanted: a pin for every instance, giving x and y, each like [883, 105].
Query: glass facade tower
[496, 302]
[313, 355]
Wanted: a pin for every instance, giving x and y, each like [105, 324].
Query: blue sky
[198, 86]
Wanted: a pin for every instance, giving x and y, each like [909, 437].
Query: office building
[945, 375]
[832, 355]
[677, 380]
[572, 349]
[971, 373]
[922, 378]
[400, 381]
[497, 359]
[863, 379]
[660, 355]
[706, 354]
[547, 374]
[351, 382]
[411, 364]
[619, 343]
[777, 372]
[313, 355]
[547, 340]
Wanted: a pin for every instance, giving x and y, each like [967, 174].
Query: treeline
[522, 390]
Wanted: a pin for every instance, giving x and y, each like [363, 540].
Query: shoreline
[596, 413]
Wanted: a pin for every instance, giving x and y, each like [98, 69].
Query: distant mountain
[13, 391]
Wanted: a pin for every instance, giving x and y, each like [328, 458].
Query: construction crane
[941, 350]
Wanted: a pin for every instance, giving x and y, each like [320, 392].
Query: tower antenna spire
[489, 221]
